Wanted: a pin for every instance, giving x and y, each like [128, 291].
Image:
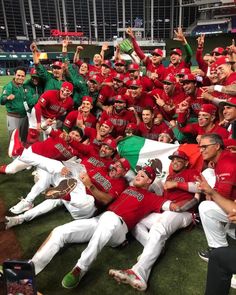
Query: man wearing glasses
[212, 215]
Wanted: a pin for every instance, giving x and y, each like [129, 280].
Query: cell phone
[19, 277]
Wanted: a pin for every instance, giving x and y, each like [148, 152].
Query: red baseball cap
[221, 61]
[106, 63]
[179, 154]
[125, 164]
[176, 51]
[209, 108]
[33, 72]
[68, 86]
[219, 50]
[132, 126]
[57, 64]
[108, 123]
[134, 83]
[96, 79]
[120, 62]
[170, 79]
[189, 77]
[184, 71]
[158, 51]
[87, 98]
[110, 142]
[120, 98]
[150, 172]
[133, 67]
[229, 102]
[119, 77]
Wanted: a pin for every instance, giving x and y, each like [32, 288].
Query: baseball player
[156, 228]
[47, 167]
[106, 183]
[52, 104]
[82, 114]
[108, 228]
[119, 116]
[213, 217]
[206, 122]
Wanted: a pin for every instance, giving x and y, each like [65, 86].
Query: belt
[16, 115]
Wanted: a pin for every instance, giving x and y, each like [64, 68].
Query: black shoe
[205, 254]
[63, 188]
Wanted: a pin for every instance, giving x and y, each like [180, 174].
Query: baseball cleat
[13, 221]
[128, 276]
[63, 188]
[72, 279]
[205, 254]
[21, 207]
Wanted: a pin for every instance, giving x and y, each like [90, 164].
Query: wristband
[218, 88]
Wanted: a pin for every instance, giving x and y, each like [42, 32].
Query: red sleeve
[138, 50]
[201, 63]
[38, 112]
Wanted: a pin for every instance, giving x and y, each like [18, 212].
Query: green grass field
[180, 271]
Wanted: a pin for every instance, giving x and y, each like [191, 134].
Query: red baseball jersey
[134, 204]
[91, 133]
[70, 120]
[226, 175]
[119, 120]
[54, 147]
[152, 132]
[90, 156]
[184, 179]
[50, 106]
[101, 179]
[107, 93]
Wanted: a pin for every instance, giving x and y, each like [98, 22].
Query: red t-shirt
[154, 131]
[91, 133]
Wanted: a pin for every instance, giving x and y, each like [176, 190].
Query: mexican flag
[140, 151]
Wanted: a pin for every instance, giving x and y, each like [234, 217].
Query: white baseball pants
[107, 228]
[215, 224]
[162, 226]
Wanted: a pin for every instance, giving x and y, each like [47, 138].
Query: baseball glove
[60, 191]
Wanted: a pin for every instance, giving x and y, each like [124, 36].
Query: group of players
[83, 110]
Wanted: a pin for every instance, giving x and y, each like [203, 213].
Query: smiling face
[178, 164]
[105, 151]
[223, 71]
[97, 59]
[83, 70]
[64, 93]
[205, 119]
[229, 113]
[141, 180]
[19, 77]
[57, 72]
[104, 129]
[189, 87]
[117, 170]
[156, 59]
[86, 106]
[175, 58]
[75, 135]
[147, 116]
[209, 149]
